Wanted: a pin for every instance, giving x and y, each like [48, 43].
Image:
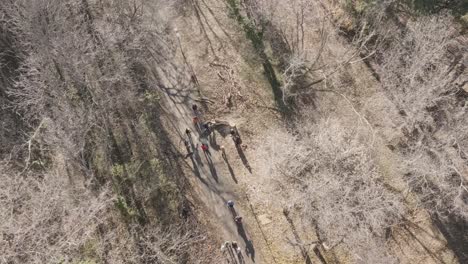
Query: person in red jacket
[204, 147]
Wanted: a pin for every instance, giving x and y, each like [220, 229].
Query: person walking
[237, 251]
[228, 247]
[239, 255]
[205, 149]
[223, 152]
[235, 137]
[238, 219]
[227, 244]
[230, 204]
[226, 251]
[235, 246]
[206, 129]
[238, 140]
[223, 248]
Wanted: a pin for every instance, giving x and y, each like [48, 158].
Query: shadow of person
[190, 139]
[454, 229]
[233, 212]
[196, 155]
[213, 172]
[243, 158]
[195, 167]
[208, 156]
[211, 166]
[241, 232]
[250, 250]
[231, 171]
[240, 257]
[231, 254]
[212, 140]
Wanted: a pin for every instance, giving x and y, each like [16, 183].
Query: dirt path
[225, 64]
[211, 184]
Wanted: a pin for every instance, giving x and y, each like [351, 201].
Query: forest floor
[215, 50]
[229, 70]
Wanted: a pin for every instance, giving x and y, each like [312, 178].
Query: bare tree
[84, 68]
[306, 37]
[45, 219]
[415, 65]
[422, 70]
[334, 182]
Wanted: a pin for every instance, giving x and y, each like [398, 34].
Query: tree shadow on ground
[300, 243]
[425, 7]
[455, 231]
[151, 142]
[430, 252]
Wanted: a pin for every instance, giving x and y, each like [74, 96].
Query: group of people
[188, 132]
[233, 245]
[205, 129]
[229, 248]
